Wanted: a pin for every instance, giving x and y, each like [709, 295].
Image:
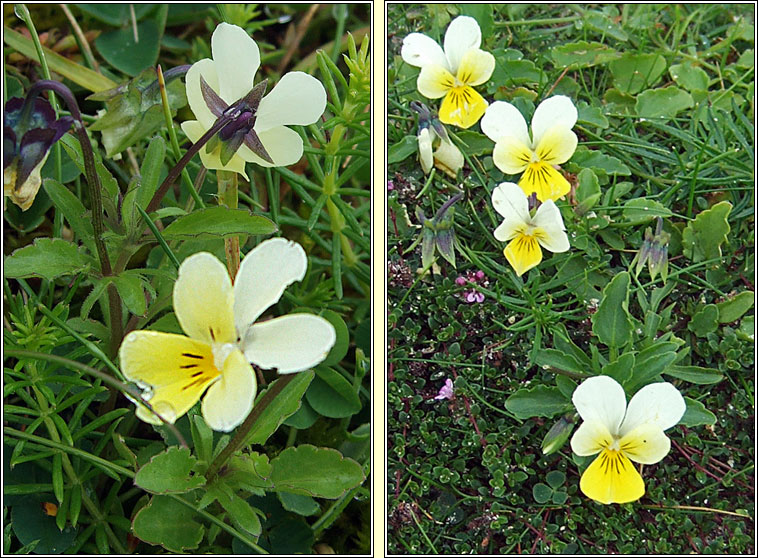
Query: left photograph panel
[187, 279]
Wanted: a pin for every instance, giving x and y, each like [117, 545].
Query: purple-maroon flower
[446, 391]
[474, 296]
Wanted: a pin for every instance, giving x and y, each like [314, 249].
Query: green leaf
[541, 493]
[317, 472]
[482, 13]
[115, 14]
[169, 472]
[304, 418]
[127, 54]
[331, 395]
[555, 478]
[539, 401]
[401, 150]
[566, 385]
[218, 221]
[689, 76]
[47, 258]
[248, 471]
[732, 309]
[705, 321]
[475, 143]
[166, 522]
[129, 286]
[702, 238]
[559, 360]
[651, 363]
[597, 160]
[642, 210]
[30, 523]
[695, 374]
[696, 414]
[665, 102]
[603, 24]
[243, 515]
[591, 115]
[283, 405]
[298, 503]
[587, 191]
[620, 369]
[150, 171]
[202, 438]
[582, 54]
[612, 323]
[71, 207]
[339, 350]
[634, 72]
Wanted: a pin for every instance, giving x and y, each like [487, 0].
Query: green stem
[228, 196]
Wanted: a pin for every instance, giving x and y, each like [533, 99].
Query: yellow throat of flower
[544, 179]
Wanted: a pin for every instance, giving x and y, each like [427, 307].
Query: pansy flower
[222, 339]
[29, 131]
[526, 233]
[622, 434]
[551, 143]
[453, 72]
[259, 132]
[447, 157]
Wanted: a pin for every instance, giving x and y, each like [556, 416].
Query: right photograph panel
[570, 279]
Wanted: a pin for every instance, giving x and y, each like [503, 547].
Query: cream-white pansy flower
[551, 143]
[524, 232]
[260, 134]
[223, 338]
[447, 157]
[453, 72]
[622, 434]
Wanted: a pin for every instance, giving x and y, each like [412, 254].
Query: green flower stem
[244, 429]
[228, 197]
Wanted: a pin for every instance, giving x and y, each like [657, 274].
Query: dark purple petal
[34, 148]
[215, 104]
[445, 241]
[9, 146]
[253, 99]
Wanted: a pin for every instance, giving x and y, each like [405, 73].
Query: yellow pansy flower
[552, 143]
[622, 434]
[261, 137]
[526, 233]
[222, 339]
[451, 73]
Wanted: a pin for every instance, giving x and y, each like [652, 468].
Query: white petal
[203, 299]
[509, 200]
[434, 81]
[462, 34]
[420, 50]
[298, 98]
[558, 110]
[237, 58]
[262, 277]
[207, 69]
[601, 399]
[645, 444]
[660, 404]
[590, 438]
[284, 145]
[448, 158]
[548, 218]
[504, 120]
[230, 399]
[289, 343]
[425, 150]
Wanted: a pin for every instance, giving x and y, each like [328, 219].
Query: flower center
[220, 352]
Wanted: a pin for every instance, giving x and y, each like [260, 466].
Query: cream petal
[425, 156]
[237, 58]
[659, 404]
[207, 69]
[284, 145]
[420, 50]
[601, 399]
[462, 34]
[556, 146]
[590, 438]
[548, 219]
[448, 158]
[204, 301]
[298, 98]
[194, 131]
[558, 110]
[434, 81]
[503, 120]
[645, 444]
[507, 230]
[511, 156]
[509, 200]
[289, 343]
[262, 277]
[476, 67]
[230, 399]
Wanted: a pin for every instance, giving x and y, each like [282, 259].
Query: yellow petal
[175, 370]
[476, 67]
[612, 478]
[545, 180]
[462, 107]
[204, 300]
[523, 253]
[511, 155]
[556, 146]
[434, 81]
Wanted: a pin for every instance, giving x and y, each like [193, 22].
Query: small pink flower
[460, 281]
[446, 391]
[474, 296]
[479, 275]
[390, 185]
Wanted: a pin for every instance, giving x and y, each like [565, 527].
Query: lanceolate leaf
[612, 323]
[312, 471]
[47, 258]
[218, 221]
